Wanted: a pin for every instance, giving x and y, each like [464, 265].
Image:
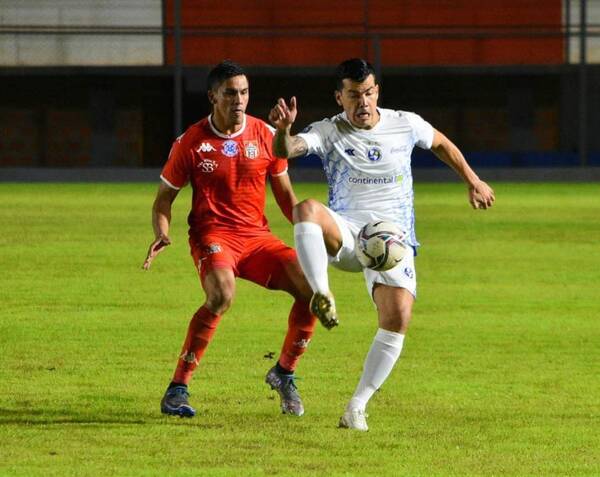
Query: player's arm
[481, 195]
[281, 185]
[282, 117]
[161, 219]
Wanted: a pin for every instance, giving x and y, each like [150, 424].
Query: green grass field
[500, 373]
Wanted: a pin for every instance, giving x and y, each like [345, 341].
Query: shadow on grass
[39, 417]
[50, 417]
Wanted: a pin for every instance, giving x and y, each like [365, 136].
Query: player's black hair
[223, 71]
[355, 69]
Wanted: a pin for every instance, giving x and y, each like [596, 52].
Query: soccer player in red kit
[226, 158]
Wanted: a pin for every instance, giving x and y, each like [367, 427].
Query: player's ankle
[281, 370]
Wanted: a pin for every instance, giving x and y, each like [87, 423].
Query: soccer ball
[380, 246]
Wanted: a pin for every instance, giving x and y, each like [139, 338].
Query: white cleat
[323, 307]
[354, 419]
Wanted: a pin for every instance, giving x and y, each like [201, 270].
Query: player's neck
[223, 126]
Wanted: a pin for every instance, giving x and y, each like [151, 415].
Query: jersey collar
[226, 136]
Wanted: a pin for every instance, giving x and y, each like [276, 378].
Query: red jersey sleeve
[176, 172]
[278, 166]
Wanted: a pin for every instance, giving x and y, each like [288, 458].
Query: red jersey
[228, 173]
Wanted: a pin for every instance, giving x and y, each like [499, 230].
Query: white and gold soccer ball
[381, 245]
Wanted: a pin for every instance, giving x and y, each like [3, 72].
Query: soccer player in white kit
[366, 157]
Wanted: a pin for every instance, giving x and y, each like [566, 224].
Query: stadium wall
[462, 32]
[492, 75]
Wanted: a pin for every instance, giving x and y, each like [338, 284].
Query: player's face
[359, 101]
[229, 102]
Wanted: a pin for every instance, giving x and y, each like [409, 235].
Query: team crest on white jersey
[230, 148]
[207, 165]
[251, 149]
[374, 154]
[205, 147]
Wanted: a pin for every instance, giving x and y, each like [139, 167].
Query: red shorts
[260, 257]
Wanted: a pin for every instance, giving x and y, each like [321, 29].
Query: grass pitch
[499, 373]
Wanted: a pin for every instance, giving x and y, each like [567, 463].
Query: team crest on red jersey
[230, 148]
[251, 149]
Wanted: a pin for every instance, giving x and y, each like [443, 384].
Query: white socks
[387, 345]
[312, 255]
[385, 351]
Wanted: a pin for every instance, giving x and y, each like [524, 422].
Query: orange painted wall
[321, 33]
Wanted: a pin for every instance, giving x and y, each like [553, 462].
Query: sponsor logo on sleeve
[350, 152]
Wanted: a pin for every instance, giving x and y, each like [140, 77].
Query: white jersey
[368, 170]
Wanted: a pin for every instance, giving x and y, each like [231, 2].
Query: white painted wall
[71, 49]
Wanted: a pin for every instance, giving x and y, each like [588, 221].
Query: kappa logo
[205, 147]
[409, 272]
[251, 149]
[207, 165]
[350, 152]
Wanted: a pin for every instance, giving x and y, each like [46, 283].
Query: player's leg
[219, 287]
[274, 265]
[394, 310]
[317, 235]
[393, 293]
[218, 282]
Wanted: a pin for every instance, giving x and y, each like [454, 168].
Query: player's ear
[338, 97]
[211, 97]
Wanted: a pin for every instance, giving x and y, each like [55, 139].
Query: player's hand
[481, 195]
[283, 116]
[155, 248]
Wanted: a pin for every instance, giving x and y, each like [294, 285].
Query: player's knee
[396, 320]
[307, 210]
[219, 301]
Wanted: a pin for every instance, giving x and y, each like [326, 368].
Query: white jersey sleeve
[422, 130]
[316, 137]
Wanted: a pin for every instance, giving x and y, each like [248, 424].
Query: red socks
[301, 325]
[200, 331]
[202, 327]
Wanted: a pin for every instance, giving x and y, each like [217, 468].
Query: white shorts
[402, 275]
